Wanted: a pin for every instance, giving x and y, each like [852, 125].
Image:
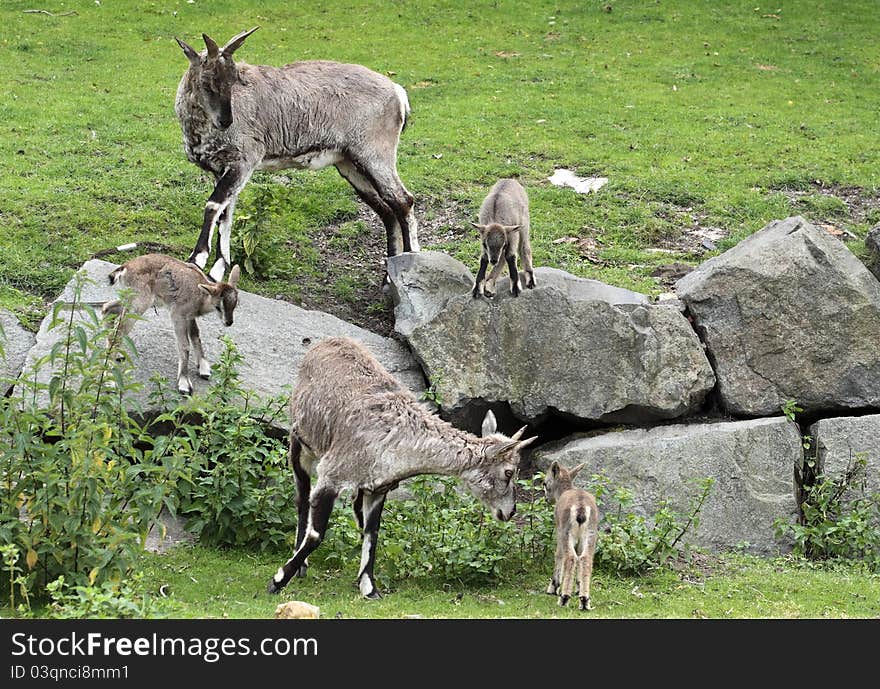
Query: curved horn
[235, 42]
[213, 50]
[518, 434]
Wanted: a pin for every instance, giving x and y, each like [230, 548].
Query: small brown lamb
[577, 528]
[186, 291]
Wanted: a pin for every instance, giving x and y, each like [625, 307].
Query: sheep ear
[236, 41]
[234, 275]
[213, 50]
[481, 228]
[574, 472]
[554, 468]
[490, 425]
[510, 228]
[207, 289]
[189, 51]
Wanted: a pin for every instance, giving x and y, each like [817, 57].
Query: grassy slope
[700, 113]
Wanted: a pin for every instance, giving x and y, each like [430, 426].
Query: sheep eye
[508, 474]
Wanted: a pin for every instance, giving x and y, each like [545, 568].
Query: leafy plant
[118, 600]
[838, 519]
[79, 485]
[240, 490]
[629, 542]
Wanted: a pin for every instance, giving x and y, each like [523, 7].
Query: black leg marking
[372, 518]
[321, 505]
[514, 275]
[563, 600]
[303, 492]
[225, 190]
[358, 506]
[481, 275]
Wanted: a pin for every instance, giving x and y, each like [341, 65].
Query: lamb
[577, 528]
[186, 291]
[504, 232]
[357, 428]
[238, 118]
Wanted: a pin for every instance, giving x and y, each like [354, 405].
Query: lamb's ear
[188, 50]
[211, 45]
[234, 275]
[574, 472]
[481, 228]
[236, 41]
[554, 469]
[207, 289]
[510, 228]
[490, 425]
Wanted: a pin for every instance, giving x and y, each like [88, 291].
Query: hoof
[373, 595]
[552, 589]
[273, 587]
[585, 603]
[563, 601]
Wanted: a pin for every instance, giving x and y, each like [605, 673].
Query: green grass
[204, 582]
[705, 110]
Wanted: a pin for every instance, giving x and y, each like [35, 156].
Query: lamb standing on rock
[577, 528]
[359, 429]
[186, 291]
[504, 233]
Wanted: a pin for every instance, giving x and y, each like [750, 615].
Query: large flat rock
[840, 441]
[752, 463]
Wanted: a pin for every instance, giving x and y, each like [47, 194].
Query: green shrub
[79, 485]
[632, 543]
[838, 520]
[109, 600]
[240, 490]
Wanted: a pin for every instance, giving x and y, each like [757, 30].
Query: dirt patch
[362, 268]
[860, 206]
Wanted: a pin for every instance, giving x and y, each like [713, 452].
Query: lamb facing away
[237, 118]
[577, 528]
[504, 233]
[188, 294]
[357, 428]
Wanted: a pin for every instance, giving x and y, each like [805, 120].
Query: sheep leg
[553, 588]
[124, 317]
[481, 276]
[585, 572]
[222, 257]
[368, 194]
[489, 285]
[303, 491]
[228, 186]
[383, 178]
[372, 516]
[181, 332]
[528, 266]
[320, 507]
[196, 342]
[567, 584]
[514, 275]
